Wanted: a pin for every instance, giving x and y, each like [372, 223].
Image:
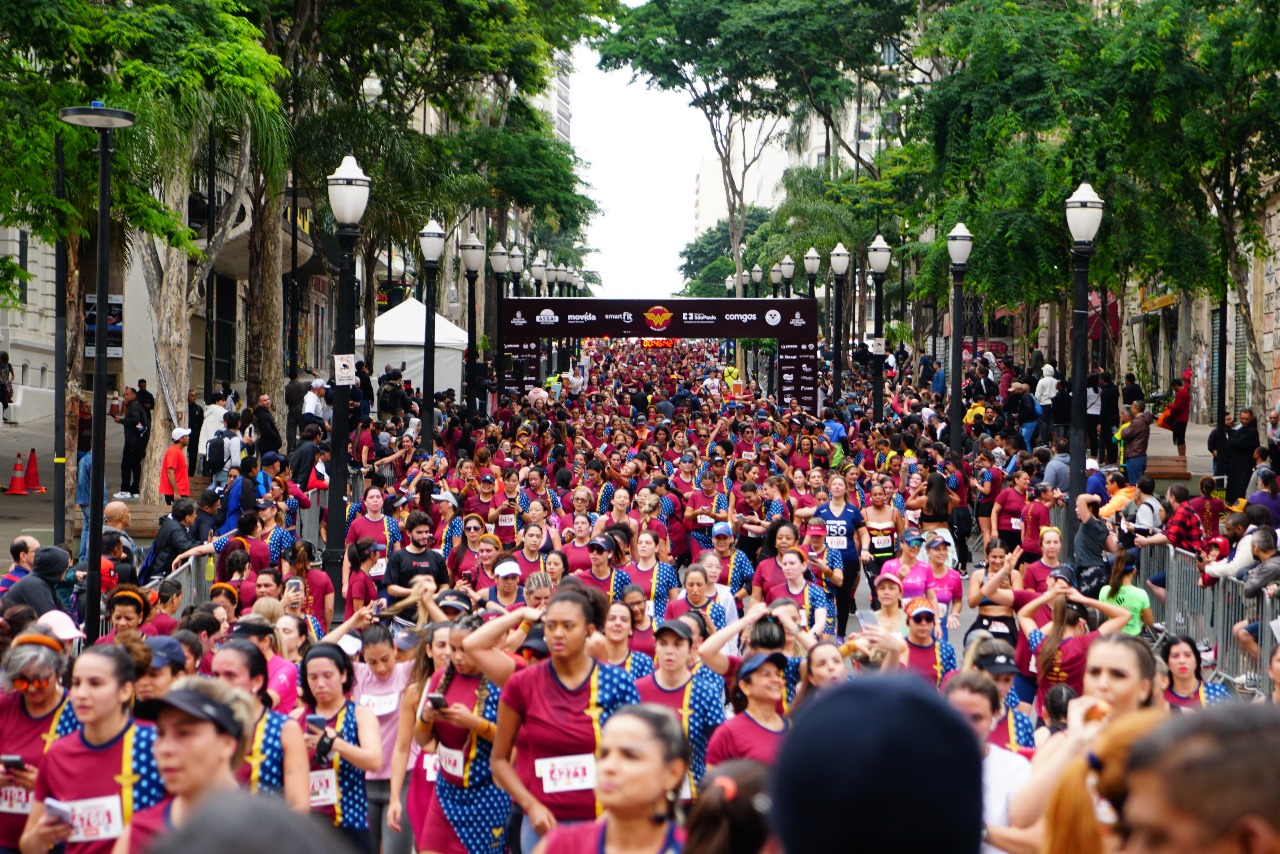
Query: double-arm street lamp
[878, 256]
[959, 245]
[104, 121]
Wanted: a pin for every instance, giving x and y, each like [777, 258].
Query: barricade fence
[309, 520]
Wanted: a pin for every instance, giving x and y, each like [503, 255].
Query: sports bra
[943, 518]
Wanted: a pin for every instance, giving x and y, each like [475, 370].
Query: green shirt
[1134, 599]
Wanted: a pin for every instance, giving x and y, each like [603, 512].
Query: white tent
[398, 337]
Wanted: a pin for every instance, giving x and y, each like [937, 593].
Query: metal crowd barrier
[194, 577]
[1187, 606]
[1235, 664]
[1152, 560]
[309, 520]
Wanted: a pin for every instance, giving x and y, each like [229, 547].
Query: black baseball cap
[193, 703]
[680, 627]
[996, 665]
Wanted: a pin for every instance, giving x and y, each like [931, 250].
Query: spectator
[117, 516]
[294, 393]
[1268, 496]
[23, 551]
[1240, 445]
[174, 481]
[1136, 433]
[1217, 444]
[1119, 493]
[269, 440]
[206, 516]
[1179, 415]
[1108, 416]
[173, 538]
[1131, 391]
[1057, 473]
[36, 588]
[136, 422]
[211, 423]
[313, 407]
[1261, 465]
[195, 417]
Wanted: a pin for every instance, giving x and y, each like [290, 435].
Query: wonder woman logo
[658, 318]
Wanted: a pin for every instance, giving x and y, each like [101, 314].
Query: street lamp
[878, 255]
[348, 197]
[757, 276]
[811, 262]
[1084, 215]
[472, 262]
[728, 285]
[839, 266]
[775, 279]
[539, 270]
[788, 270]
[431, 239]
[959, 245]
[499, 262]
[104, 121]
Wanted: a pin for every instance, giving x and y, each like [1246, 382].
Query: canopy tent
[398, 337]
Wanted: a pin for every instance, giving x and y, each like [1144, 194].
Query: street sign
[877, 346]
[344, 369]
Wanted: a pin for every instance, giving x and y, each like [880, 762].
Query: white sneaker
[123, 495]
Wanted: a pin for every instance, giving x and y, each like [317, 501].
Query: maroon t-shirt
[741, 737]
[25, 737]
[1068, 665]
[579, 557]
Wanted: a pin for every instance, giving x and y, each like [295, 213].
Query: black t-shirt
[404, 566]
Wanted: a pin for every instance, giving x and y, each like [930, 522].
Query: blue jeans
[84, 532]
[1028, 430]
[1135, 467]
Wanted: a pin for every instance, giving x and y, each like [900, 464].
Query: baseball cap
[887, 576]
[755, 662]
[721, 529]
[680, 627]
[601, 542]
[62, 626]
[270, 458]
[178, 433]
[251, 629]
[996, 665]
[486, 478]
[454, 599]
[535, 641]
[447, 497]
[1091, 464]
[265, 504]
[166, 651]
[934, 542]
[370, 549]
[351, 645]
[507, 568]
[1066, 573]
[317, 383]
[919, 605]
[687, 458]
[816, 529]
[193, 703]
[912, 536]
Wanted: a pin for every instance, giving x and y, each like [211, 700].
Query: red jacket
[1180, 409]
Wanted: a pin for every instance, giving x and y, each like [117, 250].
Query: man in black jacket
[269, 440]
[36, 589]
[1109, 417]
[173, 538]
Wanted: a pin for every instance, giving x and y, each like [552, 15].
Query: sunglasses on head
[922, 618]
[22, 683]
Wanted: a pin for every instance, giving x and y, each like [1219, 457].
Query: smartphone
[293, 584]
[437, 701]
[379, 605]
[57, 810]
[316, 721]
[13, 762]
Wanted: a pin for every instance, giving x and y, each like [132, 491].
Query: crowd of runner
[621, 614]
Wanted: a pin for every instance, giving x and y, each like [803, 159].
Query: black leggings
[872, 570]
[844, 596]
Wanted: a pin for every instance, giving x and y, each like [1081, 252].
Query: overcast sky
[642, 147]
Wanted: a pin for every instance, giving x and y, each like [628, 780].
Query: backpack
[215, 453]
[1039, 408]
[387, 398]
[148, 560]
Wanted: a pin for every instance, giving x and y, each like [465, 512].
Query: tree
[682, 46]
[714, 243]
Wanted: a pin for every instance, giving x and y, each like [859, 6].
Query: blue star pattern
[1024, 729]
[267, 751]
[67, 720]
[706, 712]
[1215, 694]
[477, 811]
[606, 499]
[148, 787]
[453, 530]
[638, 665]
[279, 541]
[617, 689]
[740, 572]
[665, 577]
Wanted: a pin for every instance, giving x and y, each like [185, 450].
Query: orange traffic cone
[32, 479]
[17, 485]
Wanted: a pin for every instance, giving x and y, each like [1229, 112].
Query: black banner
[522, 375]
[798, 374]
[530, 318]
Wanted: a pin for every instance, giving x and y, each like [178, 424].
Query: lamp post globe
[775, 279]
[788, 272]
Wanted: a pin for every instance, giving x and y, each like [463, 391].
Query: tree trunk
[75, 369]
[264, 367]
[1239, 268]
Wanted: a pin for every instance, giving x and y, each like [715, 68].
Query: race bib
[837, 543]
[324, 788]
[749, 456]
[380, 704]
[686, 790]
[15, 800]
[704, 519]
[566, 773]
[431, 765]
[648, 608]
[451, 761]
[93, 819]
[506, 520]
[379, 569]
[1017, 524]
[488, 527]
[882, 542]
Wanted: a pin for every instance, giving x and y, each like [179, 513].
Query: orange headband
[222, 585]
[134, 596]
[491, 538]
[40, 640]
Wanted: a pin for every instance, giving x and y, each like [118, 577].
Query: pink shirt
[917, 582]
[382, 697]
[282, 677]
[948, 588]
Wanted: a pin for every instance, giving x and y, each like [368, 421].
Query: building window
[23, 260]
[44, 376]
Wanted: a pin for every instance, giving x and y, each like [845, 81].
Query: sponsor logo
[519, 320]
[547, 317]
[773, 317]
[582, 318]
[806, 367]
[658, 318]
[625, 317]
[697, 317]
[789, 377]
[745, 318]
[797, 320]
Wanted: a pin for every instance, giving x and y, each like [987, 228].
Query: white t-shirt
[1004, 773]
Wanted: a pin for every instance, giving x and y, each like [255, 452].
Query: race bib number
[837, 543]
[704, 519]
[451, 761]
[506, 520]
[14, 800]
[94, 819]
[567, 773]
[380, 704]
[431, 765]
[882, 542]
[749, 456]
[379, 569]
[324, 788]
[488, 527]
[1017, 524]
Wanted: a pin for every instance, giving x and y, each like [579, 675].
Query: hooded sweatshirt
[1047, 387]
[36, 588]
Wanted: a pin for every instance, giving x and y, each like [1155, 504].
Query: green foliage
[713, 243]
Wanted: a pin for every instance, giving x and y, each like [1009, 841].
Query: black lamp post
[348, 197]
[499, 263]
[788, 271]
[472, 261]
[839, 266]
[959, 245]
[103, 120]
[878, 256]
[431, 239]
[1084, 215]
